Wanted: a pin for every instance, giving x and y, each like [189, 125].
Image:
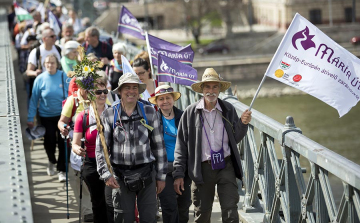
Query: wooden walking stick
[102, 137]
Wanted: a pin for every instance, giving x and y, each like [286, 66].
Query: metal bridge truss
[274, 188]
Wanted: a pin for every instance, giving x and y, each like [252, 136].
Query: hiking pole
[81, 177]
[66, 171]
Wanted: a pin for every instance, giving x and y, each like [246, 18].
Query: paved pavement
[48, 195]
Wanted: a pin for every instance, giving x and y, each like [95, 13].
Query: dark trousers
[175, 208]
[97, 191]
[203, 194]
[124, 203]
[52, 135]
[109, 204]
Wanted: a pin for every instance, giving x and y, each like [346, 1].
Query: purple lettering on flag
[158, 46]
[128, 24]
[170, 70]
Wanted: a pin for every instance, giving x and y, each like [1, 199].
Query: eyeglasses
[170, 89]
[99, 92]
[52, 36]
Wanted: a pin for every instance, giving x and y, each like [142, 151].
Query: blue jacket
[48, 91]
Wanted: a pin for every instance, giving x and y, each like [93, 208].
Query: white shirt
[43, 54]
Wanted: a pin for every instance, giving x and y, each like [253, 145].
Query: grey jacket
[188, 142]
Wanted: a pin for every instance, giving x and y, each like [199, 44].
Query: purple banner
[158, 46]
[128, 24]
[170, 70]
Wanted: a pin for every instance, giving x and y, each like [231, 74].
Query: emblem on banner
[284, 65]
[297, 78]
[164, 66]
[279, 73]
[305, 39]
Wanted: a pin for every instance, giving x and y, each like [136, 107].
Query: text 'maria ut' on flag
[128, 24]
[170, 70]
[310, 61]
[159, 46]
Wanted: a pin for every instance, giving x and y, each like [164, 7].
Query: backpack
[116, 108]
[73, 111]
[38, 56]
[85, 127]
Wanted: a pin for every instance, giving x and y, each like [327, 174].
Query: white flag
[310, 61]
[54, 24]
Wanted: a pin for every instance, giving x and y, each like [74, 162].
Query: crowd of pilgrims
[160, 157]
[44, 59]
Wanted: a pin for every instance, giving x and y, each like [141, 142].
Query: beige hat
[164, 89]
[129, 78]
[210, 75]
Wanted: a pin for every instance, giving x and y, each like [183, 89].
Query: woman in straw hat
[206, 147]
[174, 208]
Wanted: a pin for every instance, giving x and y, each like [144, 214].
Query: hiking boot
[50, 169]
[62, 177]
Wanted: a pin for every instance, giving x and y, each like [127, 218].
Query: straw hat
[164, 89]
[210, 75]
[129, 78]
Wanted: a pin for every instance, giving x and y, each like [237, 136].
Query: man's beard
[209, 95]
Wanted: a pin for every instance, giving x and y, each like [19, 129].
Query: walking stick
[66, 171]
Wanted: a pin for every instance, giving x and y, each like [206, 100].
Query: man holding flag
[206, 147]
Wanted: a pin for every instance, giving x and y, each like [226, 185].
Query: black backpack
[38, 56]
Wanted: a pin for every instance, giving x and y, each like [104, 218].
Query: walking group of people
[156, 150]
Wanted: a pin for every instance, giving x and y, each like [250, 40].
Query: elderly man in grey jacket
[208, 133]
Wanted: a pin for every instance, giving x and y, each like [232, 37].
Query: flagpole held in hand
[66, 168]
[257, 92]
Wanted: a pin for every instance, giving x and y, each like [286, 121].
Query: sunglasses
[169, 90]
[99, 92]
[52, 36]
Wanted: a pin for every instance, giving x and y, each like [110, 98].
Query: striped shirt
[129, 144]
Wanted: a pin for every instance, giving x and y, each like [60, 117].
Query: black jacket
[178, 113]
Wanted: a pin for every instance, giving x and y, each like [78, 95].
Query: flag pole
[149, 52]
[257, 92]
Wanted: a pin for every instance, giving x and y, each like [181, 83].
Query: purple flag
[128, 24]
[158, 46]
[170, 70]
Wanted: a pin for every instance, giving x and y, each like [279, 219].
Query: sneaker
[62, 177]
[50, 169]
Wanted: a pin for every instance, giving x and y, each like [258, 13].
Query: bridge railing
[274, 187]
[15, 205]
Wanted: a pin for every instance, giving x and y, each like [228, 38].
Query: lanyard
[222, 141]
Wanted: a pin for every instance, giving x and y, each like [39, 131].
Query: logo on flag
[175, 72]
[128, 24]
[305, 39]
[161, 47]
[284, 65]
[329, 72]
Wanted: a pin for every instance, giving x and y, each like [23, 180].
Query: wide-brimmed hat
[164, 89]
[129, 78]
[35, 133]
[210, 75]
